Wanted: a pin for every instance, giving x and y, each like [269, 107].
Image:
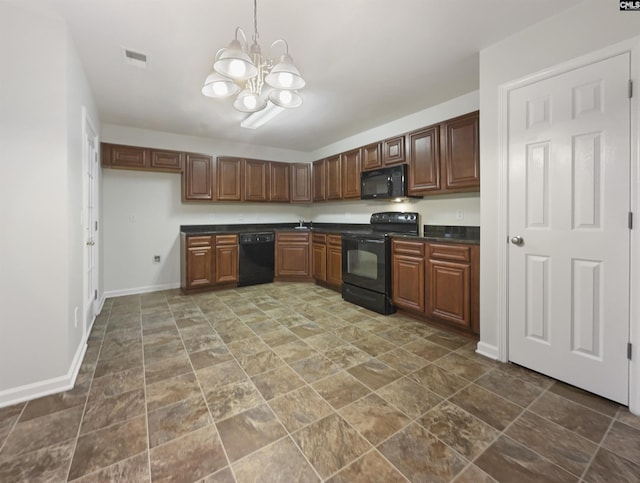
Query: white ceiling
[366, 62]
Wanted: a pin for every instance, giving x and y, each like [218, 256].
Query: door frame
[630, 46]
[89, 134]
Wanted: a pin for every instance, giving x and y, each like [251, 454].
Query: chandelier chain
[256, 35]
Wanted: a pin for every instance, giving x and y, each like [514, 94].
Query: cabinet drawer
[292, 237]
[455, 253]
[199, 241]
[319, 238]
[402, 247]
[226, 239]
[335, 240]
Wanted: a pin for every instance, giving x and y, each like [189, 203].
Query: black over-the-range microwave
[385, 183]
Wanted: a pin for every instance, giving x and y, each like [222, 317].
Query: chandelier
[242, 66]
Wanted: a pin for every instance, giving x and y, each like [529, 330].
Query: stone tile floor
[286, 382]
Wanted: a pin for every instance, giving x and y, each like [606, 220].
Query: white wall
[42, 88]
[143, 211]
[592, 25]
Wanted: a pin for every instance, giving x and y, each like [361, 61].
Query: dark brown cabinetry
[199, 262]
[279, 181]
[292, 257]
[440, 281]
[453, 284]
[197, 179]
[134, 157]
[461, 153]
[333, 171]
[226, 259]
[327, 259]
[319, 176]
[408, 274]
[393, 151]
[228, 179]
[256, 180]
[424, 161]
[209, 261]
[319, 257]
[371, 157]
[300, 183]
[334, 261]
[351, 174]
[445, 158]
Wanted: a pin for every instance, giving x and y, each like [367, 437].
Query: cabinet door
[301, 182]
[319, 180]
[226, 263]
[171, 161]
[393, 151]
[449, 292]
[461, 153]
[197, 179]
[292, 255]
[351, 174]
[129, 157]
[424, 161]
[371, 158]
[256, 180]
[279, 181]
[228, 179]
[334, 178]
[334, 265]
[408, 282]
[319, 261]
[199, 262]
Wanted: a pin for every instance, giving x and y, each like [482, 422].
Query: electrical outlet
[212, 217]
[460, 215]
[156, 259]
[132, 217]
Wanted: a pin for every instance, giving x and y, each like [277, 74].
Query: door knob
[517, 240]
[91, 243]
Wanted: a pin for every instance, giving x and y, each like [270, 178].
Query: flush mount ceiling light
[241, 67]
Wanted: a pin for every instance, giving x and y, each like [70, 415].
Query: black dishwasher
[256, 258]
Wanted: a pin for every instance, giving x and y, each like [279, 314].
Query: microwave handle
[389, 186]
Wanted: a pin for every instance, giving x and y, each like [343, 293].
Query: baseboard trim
[54, 385]
[487, 350]
[139, 290]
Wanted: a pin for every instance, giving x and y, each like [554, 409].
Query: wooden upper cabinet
[229, 179]
[371, 157]
[256, 180]
[461, 153]
[424, 161]
[197, 179]
[319, 176]
[334, 177]
[127, 157]
[300, 183]
[279, 181]
[393, 151]
[170, 161]
[351, 174]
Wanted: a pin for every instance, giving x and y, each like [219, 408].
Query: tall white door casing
[569, 199]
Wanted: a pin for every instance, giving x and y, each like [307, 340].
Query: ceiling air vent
[134, 58]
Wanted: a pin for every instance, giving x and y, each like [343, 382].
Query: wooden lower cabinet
[327, 259]
[209, 261]
[334, 261]
[440, 281]
[293, 256]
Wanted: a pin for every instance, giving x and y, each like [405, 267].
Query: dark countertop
[437, 233]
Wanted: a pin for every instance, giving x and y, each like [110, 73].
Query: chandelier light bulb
[237, 68]
[250, 102]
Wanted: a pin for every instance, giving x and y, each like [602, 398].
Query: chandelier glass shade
[241, 69]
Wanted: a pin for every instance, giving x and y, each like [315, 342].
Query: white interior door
[569, 199]
[90, 226]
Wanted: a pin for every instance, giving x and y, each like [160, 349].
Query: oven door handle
[369, 240]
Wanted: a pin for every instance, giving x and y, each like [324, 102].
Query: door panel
[569, 196]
